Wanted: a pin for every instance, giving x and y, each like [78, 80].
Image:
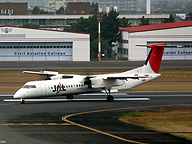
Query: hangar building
[28, 44]
[178, 33]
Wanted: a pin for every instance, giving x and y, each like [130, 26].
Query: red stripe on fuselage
[59, 88]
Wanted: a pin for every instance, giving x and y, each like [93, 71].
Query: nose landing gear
[22, 101]
[110, 98]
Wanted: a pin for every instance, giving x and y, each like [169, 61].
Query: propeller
[88, 82]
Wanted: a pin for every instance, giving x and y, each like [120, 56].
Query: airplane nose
[19, 94]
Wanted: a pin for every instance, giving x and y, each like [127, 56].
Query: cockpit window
[32, 86]
[29, 86]
[26, 86]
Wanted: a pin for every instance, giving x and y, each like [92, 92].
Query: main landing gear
[110, 98]
[70, 97]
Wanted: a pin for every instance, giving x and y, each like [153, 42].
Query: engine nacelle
[96, 82]
[105, 83]
[56, 77]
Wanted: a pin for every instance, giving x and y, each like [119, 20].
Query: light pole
[99, 31]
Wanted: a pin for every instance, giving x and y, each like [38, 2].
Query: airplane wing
[48, 73]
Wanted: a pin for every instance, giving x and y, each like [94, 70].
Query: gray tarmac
[42, 122]
[62, 65]
[86, 122]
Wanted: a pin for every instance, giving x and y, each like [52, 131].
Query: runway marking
[104, 110]
[35, 124]
[6, 104]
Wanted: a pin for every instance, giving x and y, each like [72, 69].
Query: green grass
[171, 80]
[177, 122]
[134, 114]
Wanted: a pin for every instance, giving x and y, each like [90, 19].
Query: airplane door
[43, 93]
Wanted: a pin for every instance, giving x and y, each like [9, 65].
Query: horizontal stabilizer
[126, 77]
[45, 73]
[167, 46]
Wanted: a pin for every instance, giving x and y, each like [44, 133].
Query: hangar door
[36, 51]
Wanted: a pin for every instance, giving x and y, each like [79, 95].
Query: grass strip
[177, 122]
[171, 80]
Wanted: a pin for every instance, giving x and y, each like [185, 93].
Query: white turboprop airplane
[69, 85]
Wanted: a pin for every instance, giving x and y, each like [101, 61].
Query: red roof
[157, 26]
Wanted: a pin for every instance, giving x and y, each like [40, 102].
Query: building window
[74, 11]
[124, 41]
[3, 11]
[82, 11]
[123, 51]
[10, 11]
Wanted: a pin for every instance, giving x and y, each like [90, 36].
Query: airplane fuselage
[71, 86]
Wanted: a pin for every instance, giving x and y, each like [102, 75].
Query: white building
[178, 33]
[56, 4]
[123, 5]
[26, 44]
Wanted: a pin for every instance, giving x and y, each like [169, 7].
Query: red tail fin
[156, 56]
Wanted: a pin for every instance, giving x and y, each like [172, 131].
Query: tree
[124, 22]
[109, 30]
[169, 20]
[92, 27]
[43, 12]
[36, 10]
[80, 26]
[61, 10]
[144, 21]
[94, 8]
[110, 27]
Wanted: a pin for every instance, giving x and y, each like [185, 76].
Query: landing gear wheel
[22, 101]
[70, 97]
[110, 98]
